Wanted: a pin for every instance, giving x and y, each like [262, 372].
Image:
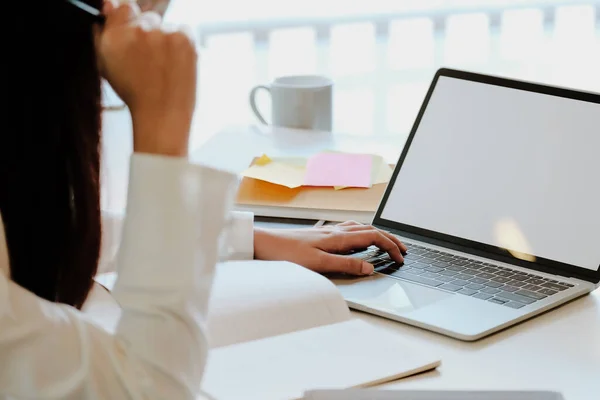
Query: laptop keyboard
[480, 280]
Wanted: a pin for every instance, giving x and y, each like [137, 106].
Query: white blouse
[178, 215]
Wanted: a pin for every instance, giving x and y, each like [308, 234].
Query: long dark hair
[50, 150]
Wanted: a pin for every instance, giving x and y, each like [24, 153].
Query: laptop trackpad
[389, 294]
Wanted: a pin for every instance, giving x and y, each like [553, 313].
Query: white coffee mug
[301, 102]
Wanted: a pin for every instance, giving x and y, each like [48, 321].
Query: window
[382, 54]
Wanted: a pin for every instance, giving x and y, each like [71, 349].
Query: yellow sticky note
[263, 160]
[277, 173]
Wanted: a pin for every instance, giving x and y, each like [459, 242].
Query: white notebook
[277, 330]
[343, 355]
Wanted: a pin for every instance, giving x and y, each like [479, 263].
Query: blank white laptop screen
[507, 168]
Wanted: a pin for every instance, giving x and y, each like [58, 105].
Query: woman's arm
[169, 247]
[112, 227]
[237, 241]
[175, 216]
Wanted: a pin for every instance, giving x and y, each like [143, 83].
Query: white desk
[559, 350]
[556, 351]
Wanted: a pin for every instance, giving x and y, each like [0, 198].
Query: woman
[51, 224]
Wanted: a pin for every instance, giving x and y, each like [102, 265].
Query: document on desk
[278, 173]
[343, 355]
[277, 187]
[326, 169]
[373, 394]
[339, 170]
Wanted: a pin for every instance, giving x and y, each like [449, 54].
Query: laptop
[497, 196]
[378, 394]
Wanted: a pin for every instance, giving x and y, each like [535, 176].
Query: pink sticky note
[338, 169]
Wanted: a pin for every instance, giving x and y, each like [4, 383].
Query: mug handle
[253, 102]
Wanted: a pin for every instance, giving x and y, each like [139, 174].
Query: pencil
[95, 13]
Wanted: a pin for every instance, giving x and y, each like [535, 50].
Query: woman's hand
[154, 71]
[159, 6]
[321, 249]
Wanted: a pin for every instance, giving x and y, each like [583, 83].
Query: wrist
[261, 239]
[161, 134]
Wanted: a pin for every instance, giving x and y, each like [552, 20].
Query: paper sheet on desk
[291, 171]
[331, 169]
[335, 356]
[278, 173]
[381, 172]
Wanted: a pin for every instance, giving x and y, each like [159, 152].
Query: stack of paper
[326, 169]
